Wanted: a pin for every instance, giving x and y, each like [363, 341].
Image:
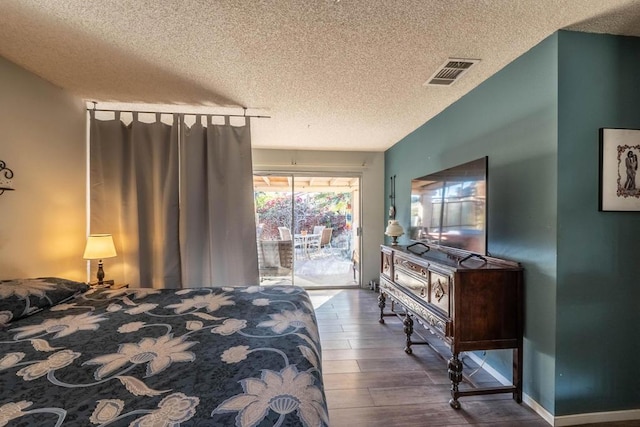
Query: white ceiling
[332, 74]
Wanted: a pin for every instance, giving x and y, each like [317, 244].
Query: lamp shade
[394, 229]
[99, 246]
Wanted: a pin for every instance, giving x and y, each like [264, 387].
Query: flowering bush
[309, 209]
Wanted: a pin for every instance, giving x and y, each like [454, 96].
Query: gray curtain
[134, 196]
[178, 203]
[217, 221]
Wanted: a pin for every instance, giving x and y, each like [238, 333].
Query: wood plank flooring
[370, 381]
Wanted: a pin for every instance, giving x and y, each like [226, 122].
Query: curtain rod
[190, 114]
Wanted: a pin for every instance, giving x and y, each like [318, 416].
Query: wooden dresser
[468, 302]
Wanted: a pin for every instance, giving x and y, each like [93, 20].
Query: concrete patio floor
[327, 267]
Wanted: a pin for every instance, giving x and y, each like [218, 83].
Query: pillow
[23, 297]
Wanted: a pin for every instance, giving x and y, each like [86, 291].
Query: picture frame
[619, 175]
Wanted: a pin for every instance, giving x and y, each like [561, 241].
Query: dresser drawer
[412, 267]
[416, 284]
[385, 285]
[386, 265]
[439, 291]
[427, 316]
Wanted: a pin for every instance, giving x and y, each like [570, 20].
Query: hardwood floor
[370, 381]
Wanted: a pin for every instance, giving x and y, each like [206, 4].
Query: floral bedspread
[143, 357]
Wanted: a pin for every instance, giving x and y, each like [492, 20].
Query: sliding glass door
[307, 229]
[274, 219]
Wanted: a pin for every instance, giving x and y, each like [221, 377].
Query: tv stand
[468, 302]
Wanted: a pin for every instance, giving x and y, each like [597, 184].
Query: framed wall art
[619, 175]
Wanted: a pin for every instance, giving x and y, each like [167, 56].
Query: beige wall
[371, 167]
[42, 222]
[42, 139]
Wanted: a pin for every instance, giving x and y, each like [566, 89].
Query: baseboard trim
[538, 409]
[579, 419]
[564, 420]
[597, 417]
[526, 399]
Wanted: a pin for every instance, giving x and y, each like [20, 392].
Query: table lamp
[99, 246]
[394, 230]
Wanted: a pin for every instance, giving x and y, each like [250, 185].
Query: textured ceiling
[332, 74]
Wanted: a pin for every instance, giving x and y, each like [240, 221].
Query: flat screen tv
[449, 207]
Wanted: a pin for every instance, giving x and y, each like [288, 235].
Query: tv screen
[449, 207]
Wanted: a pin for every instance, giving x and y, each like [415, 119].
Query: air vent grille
[450, 72]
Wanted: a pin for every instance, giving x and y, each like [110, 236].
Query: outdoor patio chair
[325, 240]
[285, 233]
[313, 241]
[318, 229]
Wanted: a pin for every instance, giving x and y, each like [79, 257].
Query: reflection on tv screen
[448, 208]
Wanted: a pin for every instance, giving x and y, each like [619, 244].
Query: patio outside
[307, 237]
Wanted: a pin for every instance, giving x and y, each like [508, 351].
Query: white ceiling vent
[450, 72]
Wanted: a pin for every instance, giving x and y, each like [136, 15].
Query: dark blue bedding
[142, 357]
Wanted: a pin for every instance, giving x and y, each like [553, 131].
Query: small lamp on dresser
[394, 230]
[100, 246]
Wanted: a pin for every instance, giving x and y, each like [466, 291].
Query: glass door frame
[356, 212]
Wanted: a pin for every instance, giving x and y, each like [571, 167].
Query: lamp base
[105, 284]
[100, 274]
[395, 241]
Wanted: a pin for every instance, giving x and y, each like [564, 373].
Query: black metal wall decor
[6, 175]
[392, 196]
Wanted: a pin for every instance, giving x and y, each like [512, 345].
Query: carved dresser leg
[381, 304]
[408, 330]
[455, 375]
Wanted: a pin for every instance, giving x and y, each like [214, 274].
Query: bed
[72, 355]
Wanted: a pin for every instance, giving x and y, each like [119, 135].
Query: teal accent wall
[598, 299]
[512, 118]
[538, 120]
